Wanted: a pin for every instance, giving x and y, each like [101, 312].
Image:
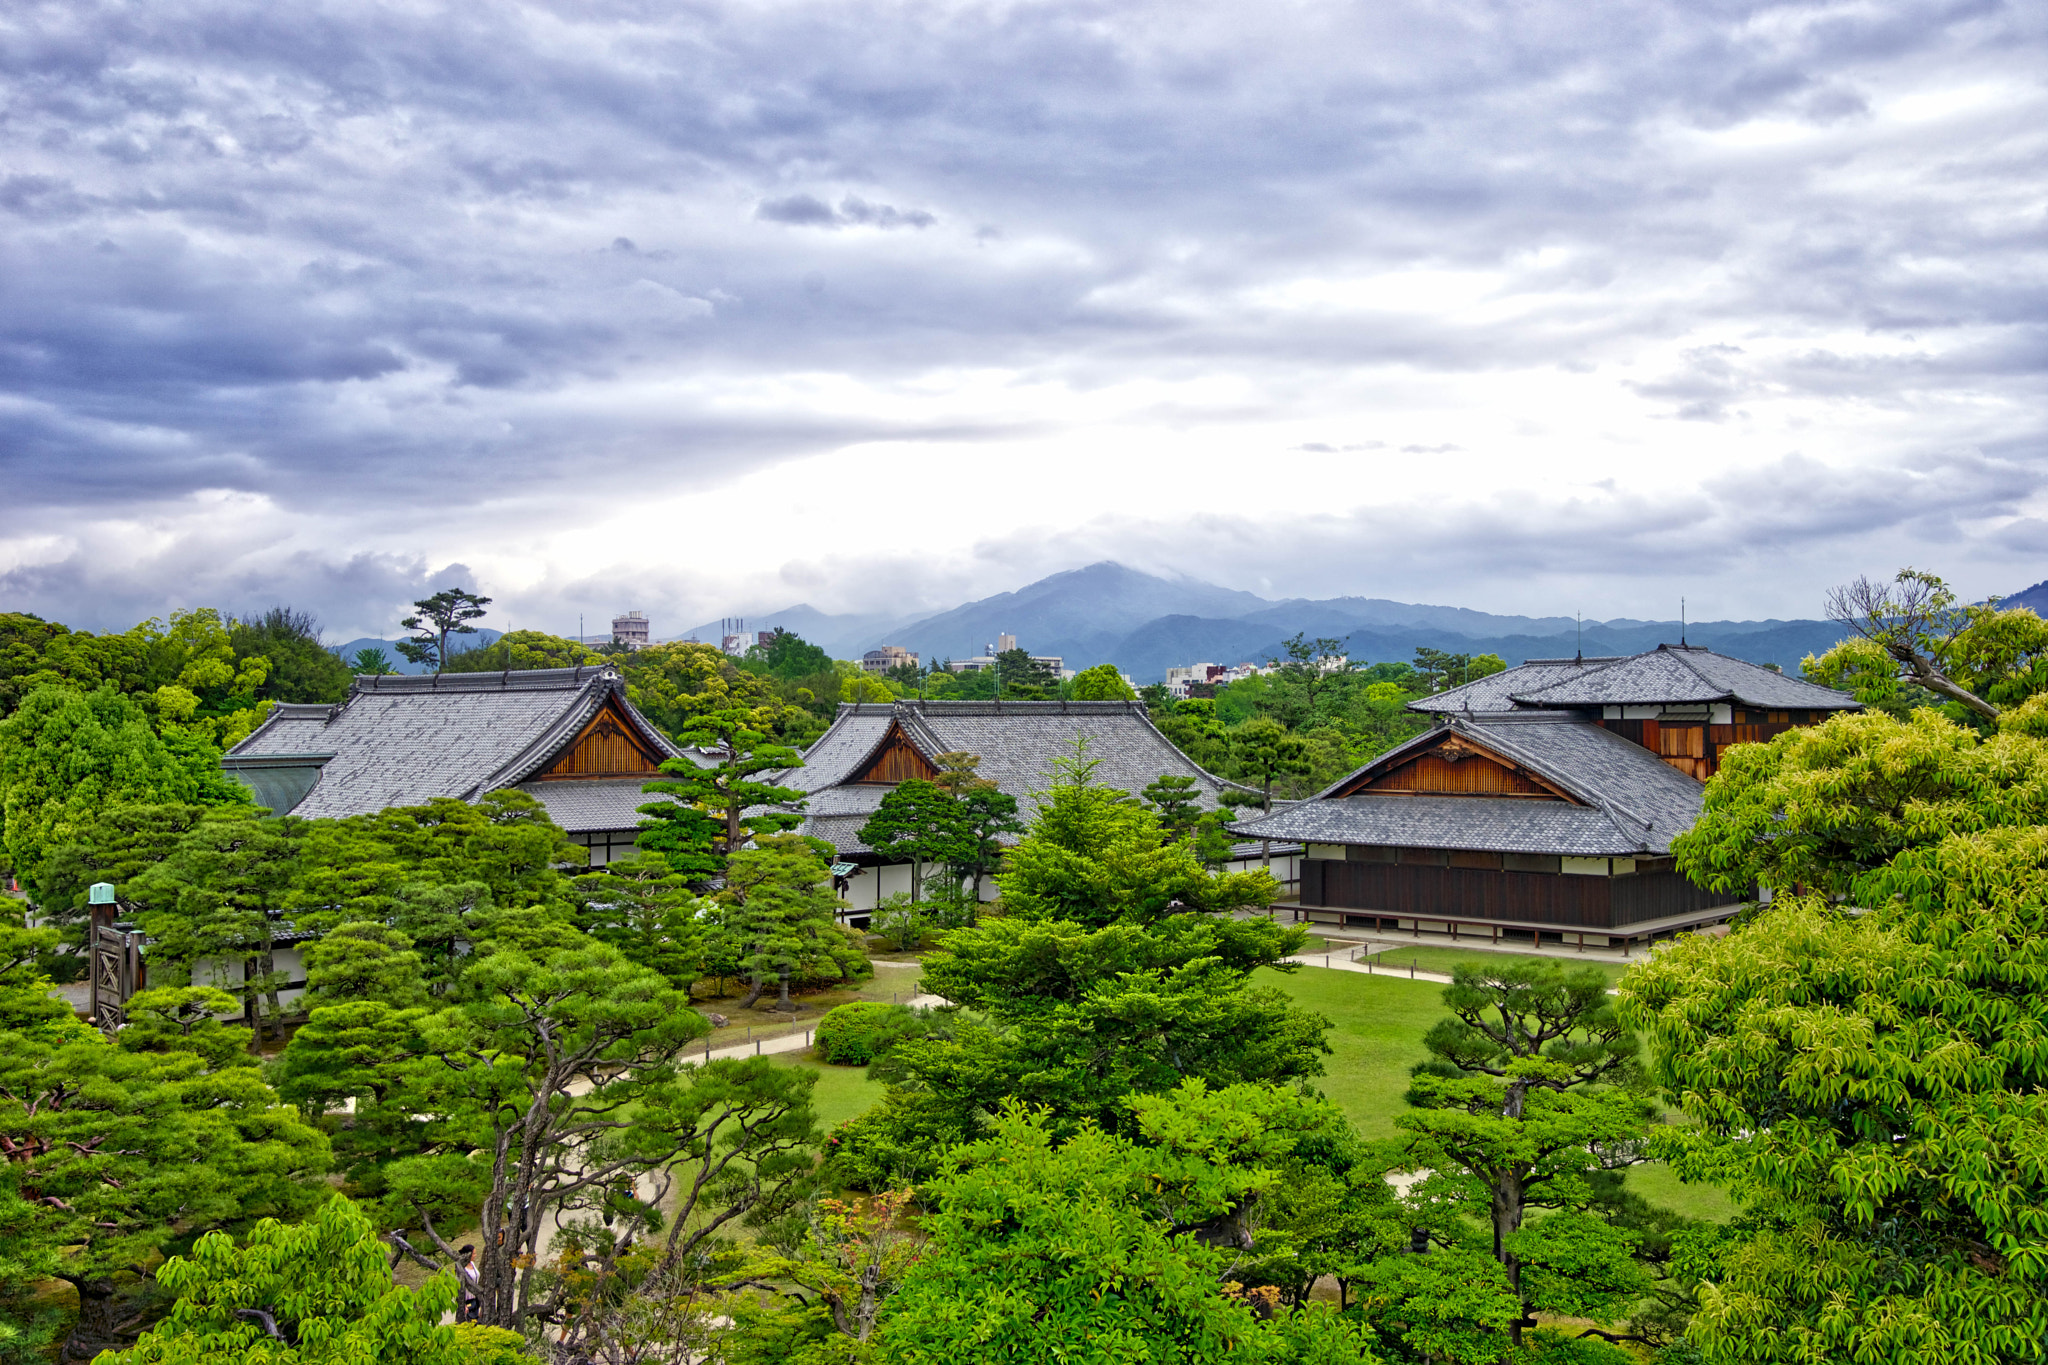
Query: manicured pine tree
[777, 914]
[708, 819]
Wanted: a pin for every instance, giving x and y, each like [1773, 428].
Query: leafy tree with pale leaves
[1101, 683]
[1041, 1249]
[67, 756]
[1864, 1071]
[314, 1293]
[1821, 805]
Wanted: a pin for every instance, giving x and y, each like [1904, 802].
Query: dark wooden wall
[1695, 748]
[1414, 890]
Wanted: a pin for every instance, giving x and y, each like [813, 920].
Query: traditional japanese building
[872, 746]
[1543, 803]
[566, 736]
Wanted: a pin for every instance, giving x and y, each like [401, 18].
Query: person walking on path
[467, 1300]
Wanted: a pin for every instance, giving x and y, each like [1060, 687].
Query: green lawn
[1376, 1032]
[1377, 1023]
[1441, 960]
[843, 1091]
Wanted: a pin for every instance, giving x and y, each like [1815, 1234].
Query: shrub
[900, 922]
[857, 1033]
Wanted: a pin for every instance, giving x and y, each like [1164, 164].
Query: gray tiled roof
[1496, 692]
[1490, 823]
[1632, 798]
[1674, 673]
[1018, 742]
[401, 741]
[583, 804]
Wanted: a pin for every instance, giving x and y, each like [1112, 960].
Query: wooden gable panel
[1473, 775]
[1456, 767]
[898, 760]
[608, 747]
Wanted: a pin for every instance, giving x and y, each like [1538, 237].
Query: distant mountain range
[1145, 624]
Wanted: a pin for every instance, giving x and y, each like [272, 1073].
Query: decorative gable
[1456, 767]
[894, 760]
[608, 746]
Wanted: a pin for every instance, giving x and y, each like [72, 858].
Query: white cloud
[720, 307]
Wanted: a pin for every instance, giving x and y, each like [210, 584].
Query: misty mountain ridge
[1144, 624]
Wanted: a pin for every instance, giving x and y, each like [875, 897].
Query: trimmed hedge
[857, 1033]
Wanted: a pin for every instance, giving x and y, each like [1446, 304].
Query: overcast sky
[709, 309]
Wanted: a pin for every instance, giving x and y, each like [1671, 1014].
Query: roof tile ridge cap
[1626, 820]
[1613, 661]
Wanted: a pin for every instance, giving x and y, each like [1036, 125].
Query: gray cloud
[389, 270]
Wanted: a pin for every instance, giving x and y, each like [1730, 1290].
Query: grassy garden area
[1376, 1028]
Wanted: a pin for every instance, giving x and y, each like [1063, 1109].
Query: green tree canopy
[1101, 683]
[1077, 1019]
[1819, 806]
[301, 669]
[779, 919]
[1435, 670]
[787, 656]
[1872, 1086]
[1041, 1249]
[1975, 656]
[716, 810]
[1095, 856]
[315, 1293]
[447, 612]
[66, 756]
[919, 822]
[520, 650]
[1532, 1084]
[117, 1154]
[220, 895]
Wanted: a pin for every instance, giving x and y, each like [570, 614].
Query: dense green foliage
[67, 756]
[112, 1153]
[714, 811]
[318, 1293]
[856, 1033]
[1088, 1249]
[1821, 806]
[1871, 1087]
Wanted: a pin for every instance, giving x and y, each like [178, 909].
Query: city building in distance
[888, 657]
[631, 630]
